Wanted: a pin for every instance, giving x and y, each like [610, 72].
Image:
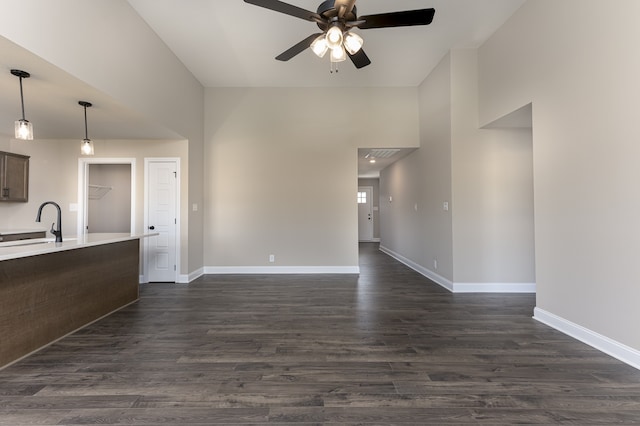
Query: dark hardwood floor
[386, 347]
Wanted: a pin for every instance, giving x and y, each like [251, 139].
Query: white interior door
[161, 218]
[365, 213]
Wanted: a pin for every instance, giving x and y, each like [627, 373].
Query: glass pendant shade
[338, 54]
[24, 130]
[334, 37]
[319, 46]
[86, 148]
[353, 42]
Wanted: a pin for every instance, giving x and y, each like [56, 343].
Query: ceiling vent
[383, 153]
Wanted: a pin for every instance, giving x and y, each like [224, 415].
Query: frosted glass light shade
[319, 46]
[86, 147]
[334, 37]
[24, 130]
[353, 42]
[338, 54]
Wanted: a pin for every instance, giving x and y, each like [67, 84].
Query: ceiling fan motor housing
[329, 12]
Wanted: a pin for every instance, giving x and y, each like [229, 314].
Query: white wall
[492, 183]
[423, 179]
[579, 65]
[484, 241]
[282, 174]
[106, 44]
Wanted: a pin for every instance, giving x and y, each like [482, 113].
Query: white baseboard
[609, 346]
[192, 276]
[462, 287]
[438, 279]
[181, 278]
[494, 287]
[282, 270]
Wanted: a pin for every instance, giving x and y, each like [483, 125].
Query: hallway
[385, 347]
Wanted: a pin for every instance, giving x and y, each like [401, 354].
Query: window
[362, 197]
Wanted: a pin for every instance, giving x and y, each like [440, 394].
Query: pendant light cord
[86, 131]
[22, 98]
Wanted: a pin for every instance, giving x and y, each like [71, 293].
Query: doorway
[162, 217]
[106, 195]
[109, 198]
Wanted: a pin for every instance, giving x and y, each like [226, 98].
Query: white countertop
[24, 248]
[20, 231]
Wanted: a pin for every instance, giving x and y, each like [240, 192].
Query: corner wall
[492, 193]
[579, 66]
[414, 228]
[462, 205]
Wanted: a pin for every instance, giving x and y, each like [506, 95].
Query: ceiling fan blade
[398, 19]
[298, 48]
[359, 59]
[287, 9]
[344, 7]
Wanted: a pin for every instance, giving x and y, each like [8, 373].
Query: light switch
[73, 207]
[195, 207]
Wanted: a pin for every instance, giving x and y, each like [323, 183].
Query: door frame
[370, 202]
[83, 192]
[145, 258]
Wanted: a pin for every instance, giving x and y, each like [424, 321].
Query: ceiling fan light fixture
[319, 46]
[338, 54]
[334, 37]
[353, 42]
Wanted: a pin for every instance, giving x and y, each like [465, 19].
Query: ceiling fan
[336, 19]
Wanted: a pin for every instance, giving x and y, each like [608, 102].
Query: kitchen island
[49, 289]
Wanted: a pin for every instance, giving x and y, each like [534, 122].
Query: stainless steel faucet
[56, 232]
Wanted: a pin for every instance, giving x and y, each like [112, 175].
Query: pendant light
[86, 148]
[23, 128]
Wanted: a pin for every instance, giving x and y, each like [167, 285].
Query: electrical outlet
[445, 206]
[272, 258]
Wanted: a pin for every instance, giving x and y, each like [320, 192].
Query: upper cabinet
[14, 177]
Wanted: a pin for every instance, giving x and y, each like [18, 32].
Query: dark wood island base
[47, 296]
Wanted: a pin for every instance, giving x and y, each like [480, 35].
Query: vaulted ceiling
[230, 43]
